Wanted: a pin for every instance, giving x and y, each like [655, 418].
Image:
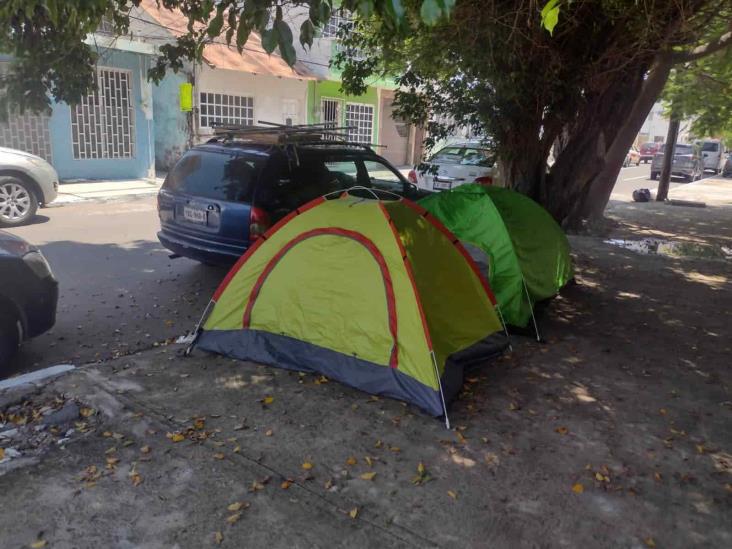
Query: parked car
[712, 151]
[633, 157]
[686, 163]
[223, 195]
[28, 294]
[454, 165]
[26, 181]
[727, 170]
[649, 150]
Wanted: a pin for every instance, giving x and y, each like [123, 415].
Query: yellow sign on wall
[186, 97]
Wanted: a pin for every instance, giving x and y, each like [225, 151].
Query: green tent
[528, 253]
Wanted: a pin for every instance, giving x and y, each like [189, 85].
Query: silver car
[455, 165]
[26, 181]
[686, 163]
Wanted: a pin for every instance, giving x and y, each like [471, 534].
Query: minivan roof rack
[281, 134]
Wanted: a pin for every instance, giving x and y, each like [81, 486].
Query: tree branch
[709, 48]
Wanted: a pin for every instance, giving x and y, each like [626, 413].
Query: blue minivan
[223, 195]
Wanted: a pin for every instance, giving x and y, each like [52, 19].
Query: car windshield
[463, 155]
[221, 175]
[709, 146]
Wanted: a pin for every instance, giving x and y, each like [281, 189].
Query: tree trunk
[668, 158]
[586, 170]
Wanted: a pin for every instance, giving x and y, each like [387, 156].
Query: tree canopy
[574, 76]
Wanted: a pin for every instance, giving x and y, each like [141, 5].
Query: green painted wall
[329, 89]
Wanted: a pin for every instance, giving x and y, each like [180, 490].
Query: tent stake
[439, 384]
[531, 308]
[505, 328]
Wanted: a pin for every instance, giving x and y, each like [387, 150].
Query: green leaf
[284, 32]
[397, 8]
[242, 34]
[307, 33]
[216, 24]
[269, 39]
[550, 15]
[430, 12]
[284, 41]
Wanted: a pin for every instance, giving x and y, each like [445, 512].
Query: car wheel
[9, 337]
[654, 175]
[18, 203]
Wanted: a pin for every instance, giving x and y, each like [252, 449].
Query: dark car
[648, 151]
[727, 170]
[28, 294]
[223, 195]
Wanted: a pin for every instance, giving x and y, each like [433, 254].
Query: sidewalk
[104, 190]
[613, 433]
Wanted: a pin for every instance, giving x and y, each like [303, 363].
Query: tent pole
[197, 331]
[505, 328]
[531, 307]
[439, 384]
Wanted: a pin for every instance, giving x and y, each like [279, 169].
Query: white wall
[273, 96]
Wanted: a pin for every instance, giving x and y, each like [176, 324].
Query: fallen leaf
[420, 468]
[40, 544]
[233, 518]
[368, 476]
[452, 494]
[106, 434]
[269, 433]
[598, 476]
[145, 449]
[112, 461]
[395, 449]
[237, 506]
[218, 538]
[286, 484]
[136, 478]
[86, 412]
[256, 486]
[577, 488]
[662, 411]
[650, 542]
[353, 513]
[378, 444]
[351, 461]
[176, 437]
[700, 448]
[219, 455]
[657, 476]
[328, 484]
[267, 400]
[199, 424]
[2, 453]
[562, 430]
[237, 449]
[307, 465]
[368, 461]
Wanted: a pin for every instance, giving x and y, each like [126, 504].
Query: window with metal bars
[360, 121]
[220, 108]
[103, 123]
[339, 18]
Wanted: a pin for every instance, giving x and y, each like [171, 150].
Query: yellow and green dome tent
[374, 293]
[528, 253]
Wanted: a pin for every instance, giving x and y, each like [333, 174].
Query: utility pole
[668, 157]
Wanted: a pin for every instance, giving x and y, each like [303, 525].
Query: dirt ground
[614, 432]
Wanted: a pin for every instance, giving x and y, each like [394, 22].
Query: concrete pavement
[73, 191]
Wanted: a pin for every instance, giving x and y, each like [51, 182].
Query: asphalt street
[119, 290]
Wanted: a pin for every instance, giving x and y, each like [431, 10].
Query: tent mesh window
[221, 108]
[360, 122]
[103, 123]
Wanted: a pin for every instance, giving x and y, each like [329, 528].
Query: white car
[712, 151]
[454, 165]
[26, 181]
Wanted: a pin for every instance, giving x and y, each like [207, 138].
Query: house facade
[110, 133]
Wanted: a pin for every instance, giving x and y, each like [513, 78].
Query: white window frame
[338, 18]
[207, 116]
[101, 121]
[373, 121]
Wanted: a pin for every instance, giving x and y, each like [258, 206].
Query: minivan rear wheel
[18, 202]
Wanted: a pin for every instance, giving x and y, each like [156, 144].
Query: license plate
[194, 215]
[441, 185]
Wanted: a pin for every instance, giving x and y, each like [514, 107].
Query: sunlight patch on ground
[628, 295]
[716, 282]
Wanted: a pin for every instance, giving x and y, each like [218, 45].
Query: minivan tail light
[259, 222]
[484, 180]
[412, 177]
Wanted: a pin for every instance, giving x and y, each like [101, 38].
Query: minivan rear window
[710, 146]
[223, 175]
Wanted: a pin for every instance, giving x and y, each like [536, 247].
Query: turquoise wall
[171, 125]
[106, 168]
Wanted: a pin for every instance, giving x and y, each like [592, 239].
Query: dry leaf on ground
[577, 488]
[351, 461]
[452, 494]
[39, 544]
[218, 538]
[368, 476]
[353, 513]
[307, 465]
